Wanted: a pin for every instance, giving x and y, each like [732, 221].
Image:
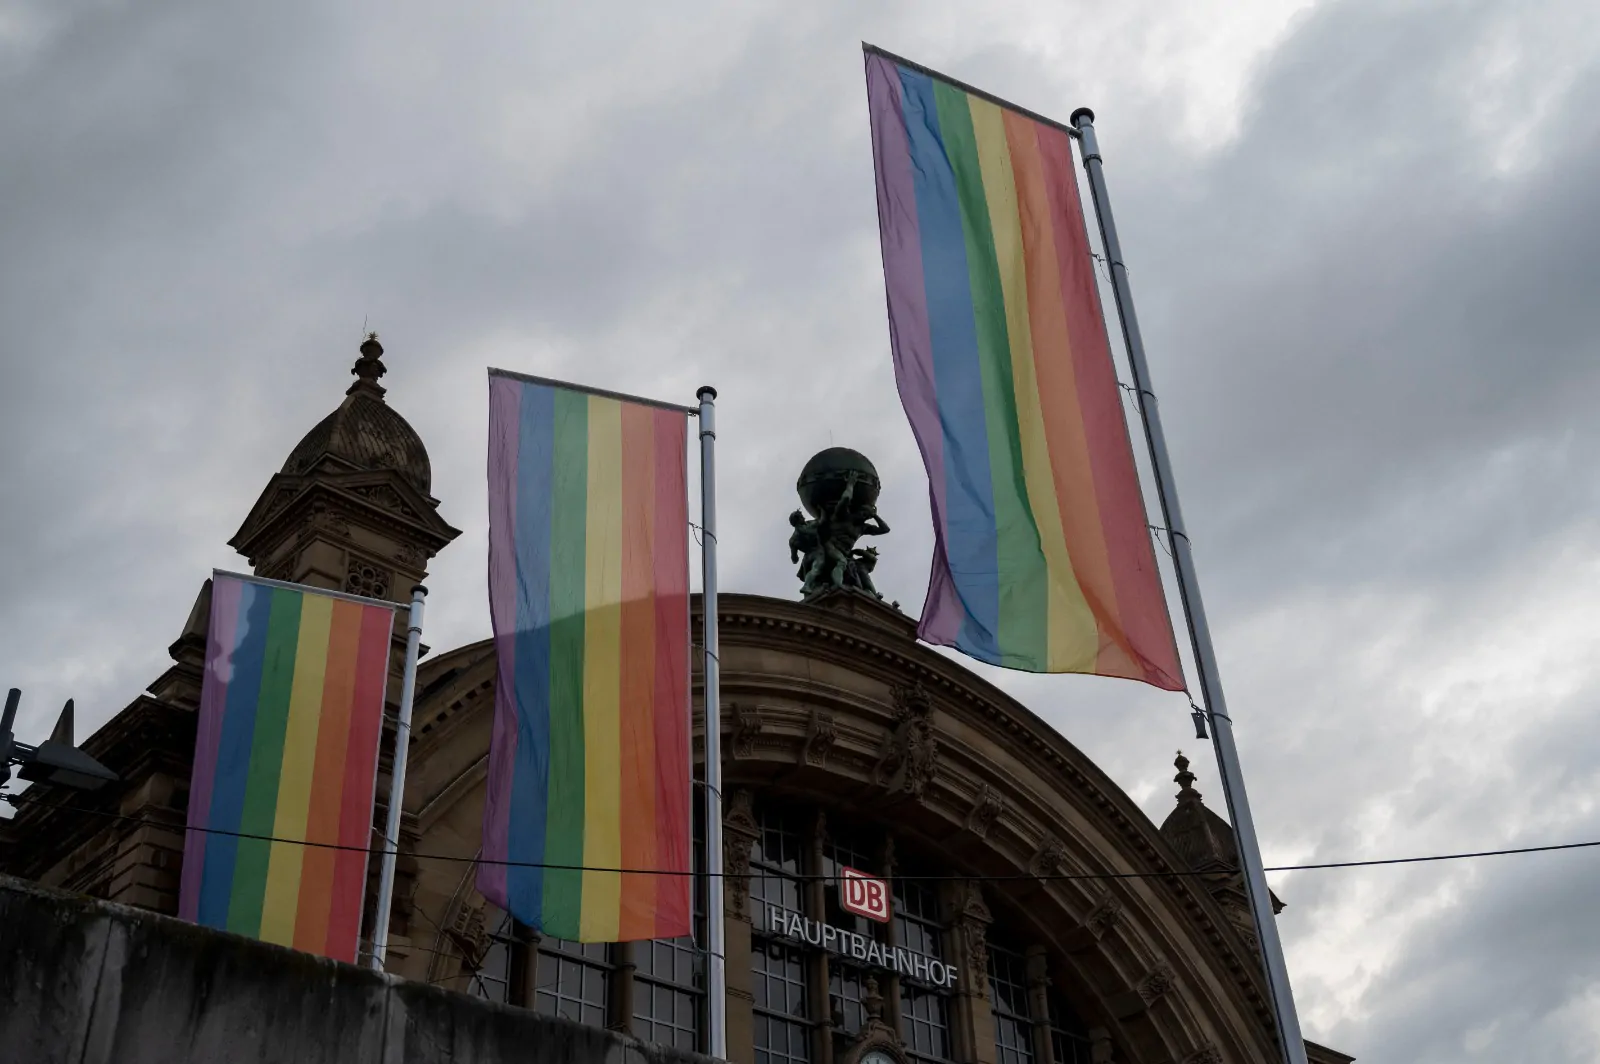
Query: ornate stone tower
[351, 508]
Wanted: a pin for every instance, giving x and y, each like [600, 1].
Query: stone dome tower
[350, 510]
[364, 432]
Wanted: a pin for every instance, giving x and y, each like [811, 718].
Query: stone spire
[368, 368]
[1185, 780]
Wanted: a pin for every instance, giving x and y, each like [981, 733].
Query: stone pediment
[384, 498]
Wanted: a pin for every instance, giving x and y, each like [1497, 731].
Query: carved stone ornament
[909, 757]
[739, 833]
[1157, 983]
[1104, 916]
[364, 578]
[384, 496]
[972, 925]
[411, 556]
[1049, 859]
[747, 724]
[1206, 1054]
[821, 731]
[332, 522]
[986, 808]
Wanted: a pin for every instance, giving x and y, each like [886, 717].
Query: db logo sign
[859, 893]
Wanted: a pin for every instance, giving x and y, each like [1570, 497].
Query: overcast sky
[1362, 235]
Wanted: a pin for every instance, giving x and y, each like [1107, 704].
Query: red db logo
[859, 893]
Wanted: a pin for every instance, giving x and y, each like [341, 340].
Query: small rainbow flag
[1042, 557]
[589, 600]
[291, 709]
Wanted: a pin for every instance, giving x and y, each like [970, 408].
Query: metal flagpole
[717, 975]
[397, 780]
[1289, 1038]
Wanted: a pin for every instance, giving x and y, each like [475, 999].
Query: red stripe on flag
[671, 694]
[1147, 651]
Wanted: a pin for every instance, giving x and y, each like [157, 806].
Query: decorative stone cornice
[747, 725]
[820, 735]
[1049, 859]
[1156, 983]
[987, 805]
[909, 757]
[1104, 916]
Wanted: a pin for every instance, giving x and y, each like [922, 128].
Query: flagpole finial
[706, 392]
[1081, 115]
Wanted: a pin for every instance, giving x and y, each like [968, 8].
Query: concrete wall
[86, 982]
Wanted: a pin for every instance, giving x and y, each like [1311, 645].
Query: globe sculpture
[839, 489]
[825, 478]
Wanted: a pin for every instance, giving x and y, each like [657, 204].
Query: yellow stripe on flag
[281, 901]
[602, 675]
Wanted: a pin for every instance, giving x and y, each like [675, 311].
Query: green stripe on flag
[1024, 593]
[563, 889]
[266, 763]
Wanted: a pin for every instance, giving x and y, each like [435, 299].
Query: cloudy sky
[1362, 234]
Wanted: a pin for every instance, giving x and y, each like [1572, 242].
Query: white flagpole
[1290, 1040]
[397, 780]
[716, 974]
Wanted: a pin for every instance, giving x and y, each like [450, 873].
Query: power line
[757, 873]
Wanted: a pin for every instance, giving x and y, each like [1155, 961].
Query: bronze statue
[839, 489]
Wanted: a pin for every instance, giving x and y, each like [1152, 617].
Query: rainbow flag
[1042, 557]
[291, 709]
[589, 599]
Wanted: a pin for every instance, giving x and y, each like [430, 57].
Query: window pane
[925, 1021]
[573, 980]
[1008, 993]
[846, 987]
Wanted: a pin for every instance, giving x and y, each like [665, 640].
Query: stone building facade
[846, 744]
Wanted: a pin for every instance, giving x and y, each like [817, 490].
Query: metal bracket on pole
[397, 781]
[1290, 1040]
[716, 964]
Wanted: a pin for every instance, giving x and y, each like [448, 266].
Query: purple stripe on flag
[911, 337]
[505, 398]
[224, 627]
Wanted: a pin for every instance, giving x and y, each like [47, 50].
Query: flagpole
[397, 780]
[717, 975]
[1290, 1040]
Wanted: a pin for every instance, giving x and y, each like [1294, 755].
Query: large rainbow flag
[291, 711]
[1042, 557]
[589, 599]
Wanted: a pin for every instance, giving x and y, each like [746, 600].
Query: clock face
[877, 1056]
